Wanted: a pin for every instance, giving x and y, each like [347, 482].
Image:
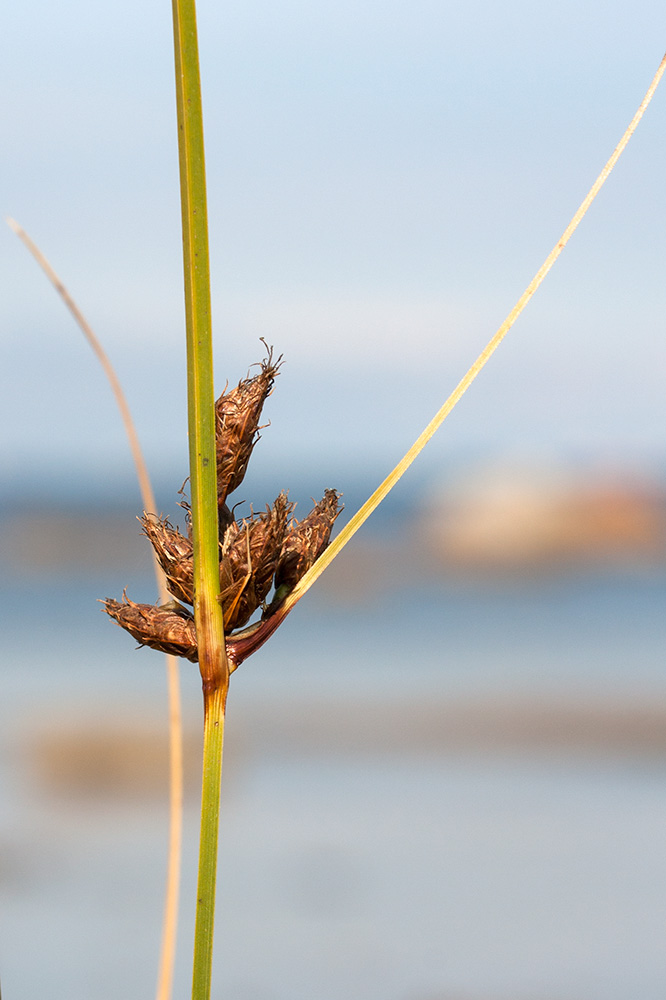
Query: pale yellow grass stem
[381, 492]
[168, 950]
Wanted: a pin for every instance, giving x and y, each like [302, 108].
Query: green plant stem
[203, 472]
[210, 817]
[200, 397]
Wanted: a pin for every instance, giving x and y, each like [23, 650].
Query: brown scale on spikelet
[237, 415]
[169, 628]
[174, 554]
[248, 561]
[304, 542]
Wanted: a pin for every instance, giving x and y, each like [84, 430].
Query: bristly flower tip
[263, 552]
[303, 543]
[237, 415]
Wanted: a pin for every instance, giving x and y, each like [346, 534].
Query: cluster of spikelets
[267, 551]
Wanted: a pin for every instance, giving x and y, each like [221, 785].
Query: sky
[383, 181]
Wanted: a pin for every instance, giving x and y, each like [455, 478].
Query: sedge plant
[222, 570]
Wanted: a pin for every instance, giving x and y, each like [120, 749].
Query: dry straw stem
[382, 491]
[170, 921]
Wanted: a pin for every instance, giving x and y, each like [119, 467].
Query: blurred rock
[508, 520]
[122, 757]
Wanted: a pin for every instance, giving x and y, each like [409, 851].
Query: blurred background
[444, 776]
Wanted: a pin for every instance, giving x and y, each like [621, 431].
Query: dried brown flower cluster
[269, 550]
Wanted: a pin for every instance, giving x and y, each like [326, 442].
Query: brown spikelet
[169, 628]
[249, 559]
[237, 415]
[303, 544]
[174, 554]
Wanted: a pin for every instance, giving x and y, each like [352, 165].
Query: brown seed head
[255, 553]
[174, 554]
[169, 628]
[237, 415]
[304, 542]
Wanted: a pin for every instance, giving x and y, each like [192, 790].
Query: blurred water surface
[377, 842]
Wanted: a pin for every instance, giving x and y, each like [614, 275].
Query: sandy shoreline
[125, 755]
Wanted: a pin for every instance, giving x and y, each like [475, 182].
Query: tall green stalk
[203, 477]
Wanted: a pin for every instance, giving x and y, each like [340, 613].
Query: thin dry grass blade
[170, 922]
[130, 430]
[382, 491]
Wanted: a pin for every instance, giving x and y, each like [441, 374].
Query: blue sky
[384, 180]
